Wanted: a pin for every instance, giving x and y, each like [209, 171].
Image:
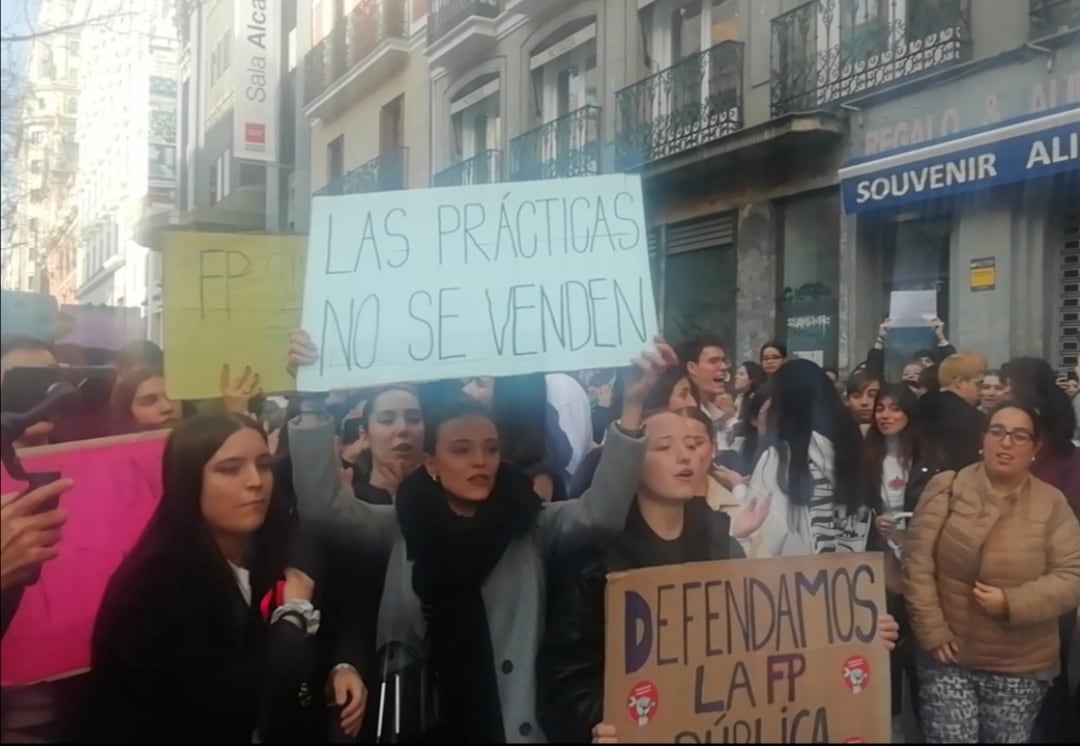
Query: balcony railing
[689, 104]
[447, 14]
[384, 173]
[1050, 17]
[351, 41]
[828, 50]
[564, 147]
[485, 168]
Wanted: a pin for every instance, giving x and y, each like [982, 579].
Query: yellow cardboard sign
[229, 298]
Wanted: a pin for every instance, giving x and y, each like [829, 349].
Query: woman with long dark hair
[139, 402]
[179, 641]
[899, 464]
[749, 379]
[392, 438]
[527, 425]
[468, 541]
[1032, 380]
[898, 457]
[806, 494]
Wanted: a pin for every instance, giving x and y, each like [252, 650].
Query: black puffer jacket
[570, 667]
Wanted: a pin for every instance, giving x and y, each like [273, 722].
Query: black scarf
[452, 557]
[638, 545]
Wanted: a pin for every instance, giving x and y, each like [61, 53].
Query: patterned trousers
[959, 705]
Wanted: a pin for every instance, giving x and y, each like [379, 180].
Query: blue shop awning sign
[1016, 151]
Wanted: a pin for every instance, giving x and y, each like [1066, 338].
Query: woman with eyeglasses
[992, 559]
[773, 356]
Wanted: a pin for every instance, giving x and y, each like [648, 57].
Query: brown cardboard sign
[749, 651]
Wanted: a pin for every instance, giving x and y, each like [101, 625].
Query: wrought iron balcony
[1049, 17]
[564, 147]
[485, 168]
[448, 14]
[689, 104]
[384, 173]
[827, 50]
[352, 40]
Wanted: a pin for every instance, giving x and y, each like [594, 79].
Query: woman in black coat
[180, 642]
[570, 667]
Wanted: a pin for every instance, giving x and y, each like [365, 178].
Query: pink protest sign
[117, 486]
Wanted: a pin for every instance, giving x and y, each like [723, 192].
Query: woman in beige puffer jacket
[992, 560]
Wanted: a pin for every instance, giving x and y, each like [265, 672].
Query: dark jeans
[902, 667]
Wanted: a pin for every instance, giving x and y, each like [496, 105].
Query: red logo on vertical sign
[642, 703]
[255, 134]
[856, 674]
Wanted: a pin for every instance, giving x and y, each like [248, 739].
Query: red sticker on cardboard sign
[854, 739]
[856, 674]
[643, 702]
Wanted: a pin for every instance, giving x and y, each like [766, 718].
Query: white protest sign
[495, 279]
[908, 308]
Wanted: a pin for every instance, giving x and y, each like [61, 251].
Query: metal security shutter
[656, 267]
[654, 241]
[699, 268]
[1067, 343]
[706, 233]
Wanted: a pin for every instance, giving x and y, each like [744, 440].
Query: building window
[37, 166]
[808, 312]
[475, 120]
[37, 137]
[220, 57]
[73, 47]
[568, 83]
[316, 22]
[72, 105]
[226, 168]
[724, 23]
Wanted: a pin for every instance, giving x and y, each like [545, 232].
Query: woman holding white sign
[468, 540]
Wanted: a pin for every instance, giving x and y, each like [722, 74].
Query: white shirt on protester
[568, 398]
[822, 526]
[243, 581]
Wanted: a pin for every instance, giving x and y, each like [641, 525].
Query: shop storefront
[969, 189]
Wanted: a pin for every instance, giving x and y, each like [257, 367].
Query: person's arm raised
[604, 505]
[322, 498]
